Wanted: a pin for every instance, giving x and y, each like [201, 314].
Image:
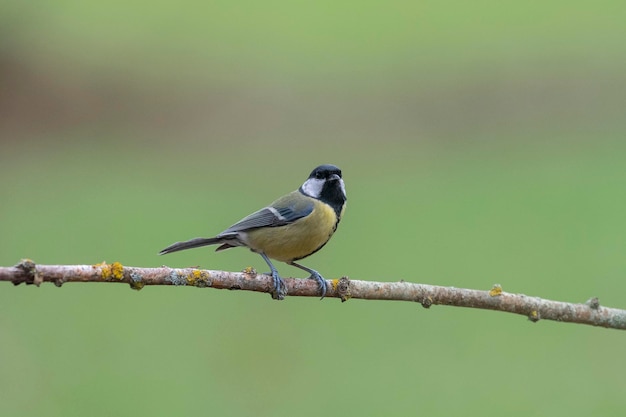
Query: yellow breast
[298, 239]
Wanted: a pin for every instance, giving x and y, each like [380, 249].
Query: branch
[590, 313]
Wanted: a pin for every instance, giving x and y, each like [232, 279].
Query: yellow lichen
[105, 270]
[117, 270]
[249, 270]
[534, 316]
[334, 283]
[198, 278]
[496, 290]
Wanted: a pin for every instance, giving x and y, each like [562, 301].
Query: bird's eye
[319, 175]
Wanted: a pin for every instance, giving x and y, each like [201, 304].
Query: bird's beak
[334, 177]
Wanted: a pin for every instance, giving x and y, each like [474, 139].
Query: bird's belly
[296, 240]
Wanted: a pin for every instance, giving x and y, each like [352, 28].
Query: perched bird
[291, 228]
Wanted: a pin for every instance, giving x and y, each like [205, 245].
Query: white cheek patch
[343, 188]
[313, 187]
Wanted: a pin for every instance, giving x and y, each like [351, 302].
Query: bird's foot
[280, 289]
[321, 282]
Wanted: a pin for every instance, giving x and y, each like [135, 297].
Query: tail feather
[189, 244]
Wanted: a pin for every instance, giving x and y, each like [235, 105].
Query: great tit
[291, 228]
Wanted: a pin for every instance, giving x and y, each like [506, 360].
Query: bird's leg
[321, 282]
[280, 290]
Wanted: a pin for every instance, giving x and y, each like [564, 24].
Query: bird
[291, 228]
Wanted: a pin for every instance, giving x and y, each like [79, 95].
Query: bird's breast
[296, 240]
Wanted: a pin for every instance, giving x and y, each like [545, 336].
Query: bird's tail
[189, 244]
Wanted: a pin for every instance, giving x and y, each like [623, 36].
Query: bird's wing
[279, 213]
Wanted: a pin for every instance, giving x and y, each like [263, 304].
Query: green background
[481, 142]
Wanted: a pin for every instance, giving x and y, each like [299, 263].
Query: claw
[321, 282]
[280, 290]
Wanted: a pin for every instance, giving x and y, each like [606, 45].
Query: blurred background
[481, 142]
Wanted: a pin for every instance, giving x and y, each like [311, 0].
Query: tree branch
[590, 313]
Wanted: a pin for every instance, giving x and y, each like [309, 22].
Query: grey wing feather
[270, 217]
